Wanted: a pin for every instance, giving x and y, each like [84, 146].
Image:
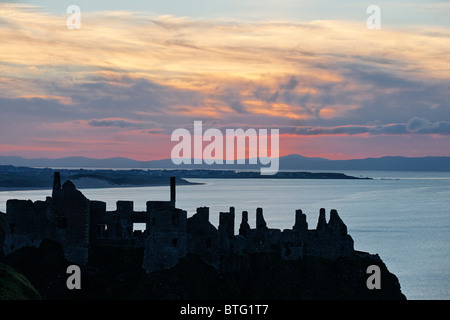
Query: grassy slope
[14, 286]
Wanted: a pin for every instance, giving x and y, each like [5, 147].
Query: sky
[136, 71]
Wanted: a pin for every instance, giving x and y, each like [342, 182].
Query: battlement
[78, 223]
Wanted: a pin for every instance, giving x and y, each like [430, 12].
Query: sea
[404, 217]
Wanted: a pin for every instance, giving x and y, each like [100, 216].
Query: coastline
[25, 178]
[93, 184]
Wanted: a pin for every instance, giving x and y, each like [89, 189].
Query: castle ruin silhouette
[77, 223]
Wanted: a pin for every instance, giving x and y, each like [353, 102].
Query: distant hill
[290, 162]
[442, 164]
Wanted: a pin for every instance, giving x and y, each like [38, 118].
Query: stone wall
[166, 236]
[25, 224]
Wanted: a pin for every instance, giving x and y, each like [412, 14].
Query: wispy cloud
[134, 73]
[121, 123]
[413, 126]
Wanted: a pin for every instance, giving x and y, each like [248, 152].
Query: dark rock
[116, 273]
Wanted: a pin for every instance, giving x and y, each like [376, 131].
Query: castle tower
[226, 232]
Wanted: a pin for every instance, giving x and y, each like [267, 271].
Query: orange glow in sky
[121, 84]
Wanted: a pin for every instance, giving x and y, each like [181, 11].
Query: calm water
[402, 216]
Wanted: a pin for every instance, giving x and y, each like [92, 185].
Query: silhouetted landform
[12, 177]
[177, 257]
[289, 162]
[231, 174]
[436, 164]
[31, 178]
[115, 272]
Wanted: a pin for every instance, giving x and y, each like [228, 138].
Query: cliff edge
[117, 273]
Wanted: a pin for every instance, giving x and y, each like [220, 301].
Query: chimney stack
[56, 182]
[172, 190]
